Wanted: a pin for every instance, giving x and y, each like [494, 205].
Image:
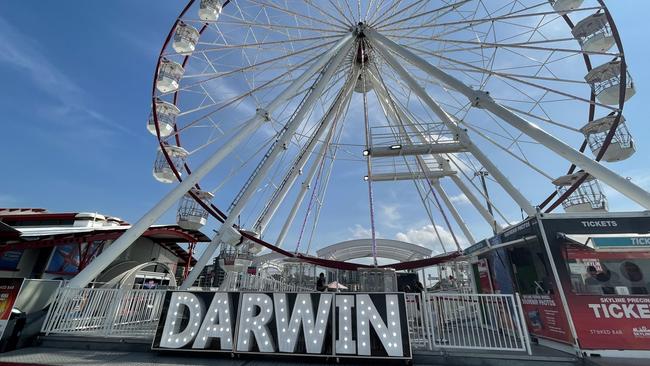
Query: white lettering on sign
[181, 302]
[302, 316]
[255, 326]
[619, 311]
[345, 344]
[640, 241]
[599, 223]
[368, 315]
[289, 323]
[217, 323]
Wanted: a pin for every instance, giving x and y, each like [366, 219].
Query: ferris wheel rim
[221, 216]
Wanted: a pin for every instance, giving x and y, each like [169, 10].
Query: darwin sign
[369, 325]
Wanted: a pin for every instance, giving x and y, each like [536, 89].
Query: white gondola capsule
[233, 259]
[605, 82]
[564, 6]
[209, 10]
[185, 38]
[622, 145]
[166, 113]
[594, 33]
[169, 76]
[250, 245]
[191, 215]
[162, 171]
[362, 85]
[589, 197]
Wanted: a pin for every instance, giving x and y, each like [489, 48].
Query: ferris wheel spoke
[446, 8]
[212, 76]
[516, 79]
[328, 14]
[396, 12]
[504, 19]
[297, 14]
[337, 7]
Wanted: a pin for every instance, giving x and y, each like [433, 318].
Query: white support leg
[394, 111]
[116, 248]
[337, 106]
[226, 232]
[482, 99]
[451, 125]
[454, 212]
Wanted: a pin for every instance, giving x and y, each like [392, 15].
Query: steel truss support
[326, 123]
[114, 250]
[428, 174]
[378, 41]
[481, 99]
[417, 149]
[227, 233]
[306, 184]
[397, 114]
[394, 112]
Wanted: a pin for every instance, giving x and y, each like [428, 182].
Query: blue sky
[77, 77]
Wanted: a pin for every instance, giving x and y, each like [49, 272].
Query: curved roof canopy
[362, 248]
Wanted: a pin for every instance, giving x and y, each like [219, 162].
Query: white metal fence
[104, 312]
[437, 320]
[237, 281]
[467, 321]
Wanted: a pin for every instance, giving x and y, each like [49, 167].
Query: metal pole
[113, 251]
[451, 125]
[306, 184]
[482, 174]
[284, 139]
[482, 99]
[453, 210]
[333, 111]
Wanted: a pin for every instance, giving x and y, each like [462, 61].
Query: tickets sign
[372, 325]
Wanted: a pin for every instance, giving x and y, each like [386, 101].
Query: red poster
[545, 317]
[9, 288]
[611, 321]
[485, 282]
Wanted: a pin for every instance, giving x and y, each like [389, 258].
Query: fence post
[112, 310]
[523, 326]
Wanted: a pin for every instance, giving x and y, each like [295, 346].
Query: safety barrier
[237, 281]
[467, 321]
[435, 320]
[104, 312]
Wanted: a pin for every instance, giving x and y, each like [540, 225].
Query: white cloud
[390, 214]
[426, 236]
[360, 232]
[460, 199]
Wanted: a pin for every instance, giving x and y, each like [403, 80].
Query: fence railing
[467, 321]
[435, 320]
[104, 312]
[237, 281]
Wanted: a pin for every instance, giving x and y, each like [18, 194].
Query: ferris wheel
[264, 110]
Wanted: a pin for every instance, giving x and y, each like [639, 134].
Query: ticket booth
[584, 279]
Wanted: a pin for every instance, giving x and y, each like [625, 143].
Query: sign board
[9, 289]
[622, 242]
[368, 325]
[545, 317]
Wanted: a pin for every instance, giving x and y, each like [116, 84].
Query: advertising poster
[9, 288]
[607, 289]
[612, 322]
[485, 282]
[546, 318]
